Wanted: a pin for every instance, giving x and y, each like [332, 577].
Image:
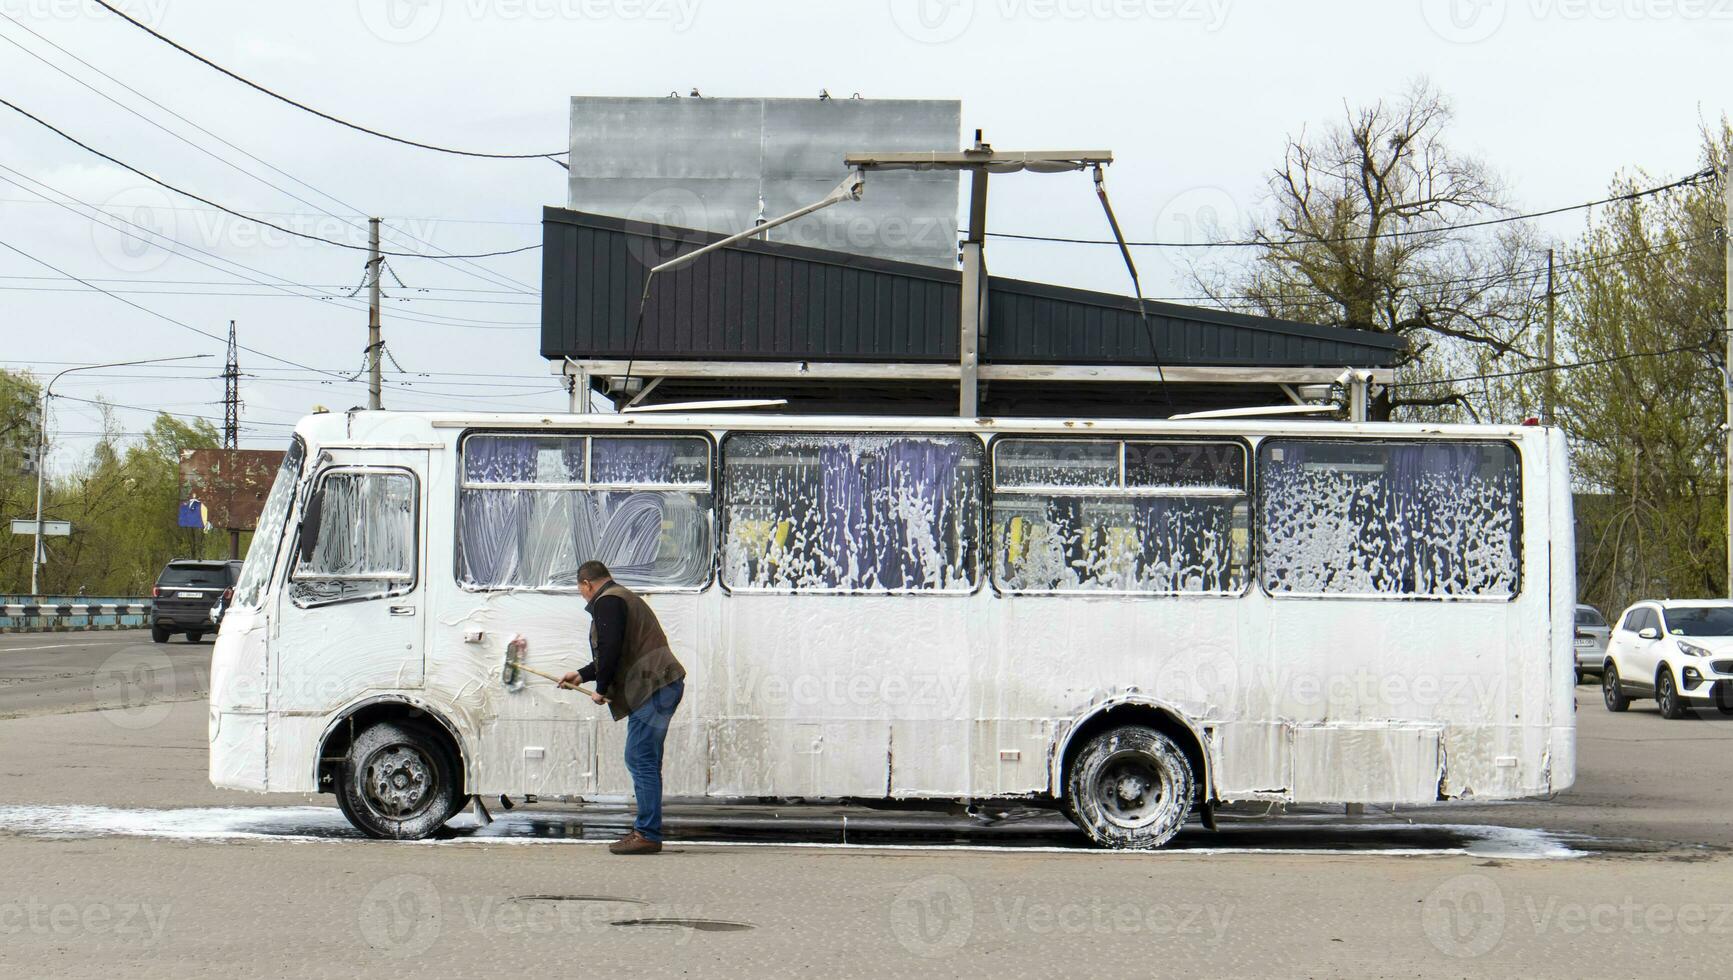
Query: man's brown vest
[646, 663]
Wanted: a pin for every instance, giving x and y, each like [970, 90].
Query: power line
[161, 316]
[1543, 368]
[323, 115]
[1695, 178]
[241, 214]
[468, 268]
[455, 321]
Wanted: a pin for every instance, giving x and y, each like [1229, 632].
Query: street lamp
[36, 556]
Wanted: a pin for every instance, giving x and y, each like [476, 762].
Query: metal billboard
[231, 483]
[722, 164]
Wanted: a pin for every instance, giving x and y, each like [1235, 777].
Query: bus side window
[1388, 517]
[363, 542]
[1110, 515]
[820, 512]
[531, 508]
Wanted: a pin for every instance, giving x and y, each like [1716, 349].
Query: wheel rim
[1610, 686]
[398, 781]
[1134, 790]
[1667, 694]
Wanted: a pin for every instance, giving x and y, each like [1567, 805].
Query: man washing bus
[637, 677]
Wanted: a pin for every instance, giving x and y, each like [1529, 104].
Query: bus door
[352, 616]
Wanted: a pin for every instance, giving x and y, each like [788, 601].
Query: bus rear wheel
[1130, 787]
[398, 782]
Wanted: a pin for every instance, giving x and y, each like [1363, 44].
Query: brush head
[509, 674]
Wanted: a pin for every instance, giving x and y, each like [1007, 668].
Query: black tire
[1610, 691]
[158, 634]
[195, 636]
[398, 781]
[1579, 675]
[1130, 787]
[1667, 696]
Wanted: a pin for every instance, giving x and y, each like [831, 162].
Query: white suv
[1677, 651]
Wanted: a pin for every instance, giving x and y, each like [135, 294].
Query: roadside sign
[51, 529]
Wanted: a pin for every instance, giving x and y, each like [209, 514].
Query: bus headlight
[1692, 649]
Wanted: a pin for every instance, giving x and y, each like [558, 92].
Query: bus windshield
[262, 553]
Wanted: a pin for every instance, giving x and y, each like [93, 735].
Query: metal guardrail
[77, 609]
[32, 614]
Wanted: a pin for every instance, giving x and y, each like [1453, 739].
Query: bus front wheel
[1130, 787]
[398, 782]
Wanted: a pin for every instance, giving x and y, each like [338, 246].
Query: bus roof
[357, 426]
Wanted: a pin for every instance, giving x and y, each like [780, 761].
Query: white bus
[1135, 621]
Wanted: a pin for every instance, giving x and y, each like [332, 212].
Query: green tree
[1359, 235]
[122, 501]
[1641, 312]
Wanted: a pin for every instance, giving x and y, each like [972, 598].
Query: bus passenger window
[534, 507]
[1123, 516]
[1389, 518]
[851, 513]
[365, 545]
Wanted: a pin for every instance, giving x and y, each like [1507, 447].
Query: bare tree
[1361, 233]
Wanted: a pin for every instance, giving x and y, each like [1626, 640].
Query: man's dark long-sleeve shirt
[608, 617]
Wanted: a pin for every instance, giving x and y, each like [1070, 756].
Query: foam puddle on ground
[1295, 835]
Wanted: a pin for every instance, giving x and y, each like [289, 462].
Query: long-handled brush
[511, 675]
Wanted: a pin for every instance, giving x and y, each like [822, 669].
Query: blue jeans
[646, 729]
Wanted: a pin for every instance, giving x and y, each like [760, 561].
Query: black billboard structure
[836, 332]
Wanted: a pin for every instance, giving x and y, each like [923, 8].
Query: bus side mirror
[310, 522]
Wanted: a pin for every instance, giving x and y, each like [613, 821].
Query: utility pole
[1546, 411]
[978, 161]
[232, 419]
[375, 265]
[39, 556]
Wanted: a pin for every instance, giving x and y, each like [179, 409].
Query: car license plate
[189, 595]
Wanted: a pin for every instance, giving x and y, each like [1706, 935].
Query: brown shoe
[635, 843]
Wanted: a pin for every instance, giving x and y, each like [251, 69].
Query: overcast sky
[1194, 97]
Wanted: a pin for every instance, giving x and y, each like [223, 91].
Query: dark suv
[185, 594]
